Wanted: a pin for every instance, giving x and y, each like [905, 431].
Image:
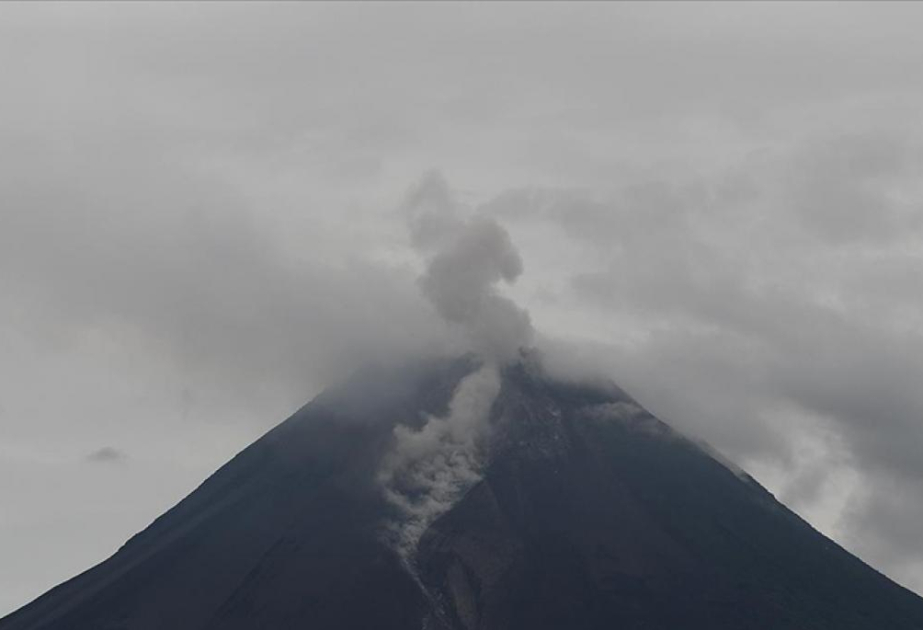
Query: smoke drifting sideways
[429, 469]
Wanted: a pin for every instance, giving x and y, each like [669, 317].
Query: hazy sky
[203, 220]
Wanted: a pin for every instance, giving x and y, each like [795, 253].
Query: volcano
[566, 506]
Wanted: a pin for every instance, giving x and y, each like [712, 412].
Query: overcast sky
[202, 221]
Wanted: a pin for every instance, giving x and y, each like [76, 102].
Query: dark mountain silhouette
[590, 514]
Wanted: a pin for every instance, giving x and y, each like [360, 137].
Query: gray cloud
[179, 259]
[106, 454]
[853, 187]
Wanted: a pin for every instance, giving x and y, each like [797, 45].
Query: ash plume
[466, 259]
[429, 469]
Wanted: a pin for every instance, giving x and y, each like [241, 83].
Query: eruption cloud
[430, 469]
[466, 259]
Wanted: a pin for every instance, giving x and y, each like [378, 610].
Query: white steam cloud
[430, 469]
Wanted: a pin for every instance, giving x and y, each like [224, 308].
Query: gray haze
[204, 216]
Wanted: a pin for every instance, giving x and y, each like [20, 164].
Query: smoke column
[429, 469]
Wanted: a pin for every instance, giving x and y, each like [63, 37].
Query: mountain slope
[612, 520]
[589, 513]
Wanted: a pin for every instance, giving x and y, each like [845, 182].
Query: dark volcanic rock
[591, 514]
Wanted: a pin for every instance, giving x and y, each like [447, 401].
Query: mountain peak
[464, 495]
